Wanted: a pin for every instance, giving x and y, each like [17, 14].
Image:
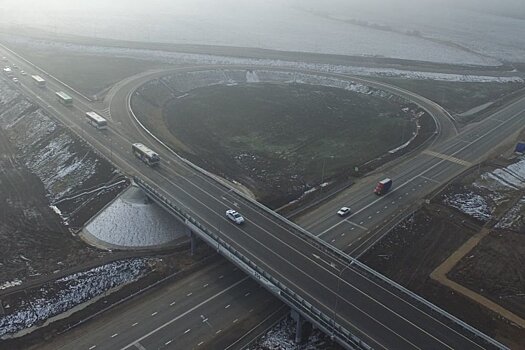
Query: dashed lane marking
[153, 314]
[447, 157]
[247, 294]
[427, 179]
[114, 335]
[236, 320]
[134, 324]
[139, 346]
[172, 303]
[227, 306]
[200, 343]
[92, 347]
[189, 294]
[220, 330]
[187, 331]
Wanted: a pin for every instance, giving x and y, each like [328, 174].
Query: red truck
[383, 186]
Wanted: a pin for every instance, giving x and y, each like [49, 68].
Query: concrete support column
[298, 326]
[193, 242]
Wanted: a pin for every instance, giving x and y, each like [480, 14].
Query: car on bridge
[234, 216]
[344, 211]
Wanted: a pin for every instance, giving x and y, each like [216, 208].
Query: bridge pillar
[298, 326]
[193, 242]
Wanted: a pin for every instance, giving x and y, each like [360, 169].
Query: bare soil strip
[440, 275]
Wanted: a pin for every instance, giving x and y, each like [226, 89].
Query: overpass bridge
[346, 299]
[356, 306]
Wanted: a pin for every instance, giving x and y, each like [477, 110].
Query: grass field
[91, 75]
[281, 139]
[458, 97]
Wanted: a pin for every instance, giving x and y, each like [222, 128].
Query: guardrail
[321, 244]
[306, 309]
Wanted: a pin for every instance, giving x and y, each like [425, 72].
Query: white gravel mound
[133, 222]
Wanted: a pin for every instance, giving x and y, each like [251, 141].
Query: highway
[205, 302]
[381, 317]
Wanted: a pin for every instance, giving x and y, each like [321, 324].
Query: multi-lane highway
[382, 317]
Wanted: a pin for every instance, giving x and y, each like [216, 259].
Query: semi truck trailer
[383, 186]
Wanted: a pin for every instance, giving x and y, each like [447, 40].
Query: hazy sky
[488, 27]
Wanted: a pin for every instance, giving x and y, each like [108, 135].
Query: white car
[344, 211]
[234, 216]
[23, 73]
[15, 80]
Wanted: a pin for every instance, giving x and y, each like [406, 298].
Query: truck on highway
[64, 98]
[37, 79]
[145, 154]
[383, 186]
[8, 72]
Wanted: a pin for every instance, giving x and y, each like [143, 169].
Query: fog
[373, 27]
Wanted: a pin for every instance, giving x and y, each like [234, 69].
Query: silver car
[234, 216]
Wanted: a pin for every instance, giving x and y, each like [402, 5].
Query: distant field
[458, 97]
[89, 74]
[280, 139]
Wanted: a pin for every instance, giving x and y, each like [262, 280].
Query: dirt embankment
[486, 199]
[45, 171]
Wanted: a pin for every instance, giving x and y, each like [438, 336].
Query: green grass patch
[281, 138]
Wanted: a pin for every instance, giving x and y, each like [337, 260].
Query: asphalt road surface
[381, 317]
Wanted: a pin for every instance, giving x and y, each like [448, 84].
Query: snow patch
[9, 284]
[65, 293]
[471, 204]
[170, 57]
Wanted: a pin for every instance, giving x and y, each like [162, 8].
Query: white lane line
[139, 346]
[221, 277]
[189, 294]
[429, 179]
[220, 330]
[92, 347]
[206, 285]
[250, 310]
[247, 294]
[227, 306]
[187, 331]
[200, 343]
[153, 314]
[168, 342]
[134, 324]
[185, 313]
[236, 320]
[172, 303]
[427, 170]
[114, 335]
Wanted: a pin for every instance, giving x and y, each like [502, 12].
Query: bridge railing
[349, 260]
[291, 298]
[321, 244]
